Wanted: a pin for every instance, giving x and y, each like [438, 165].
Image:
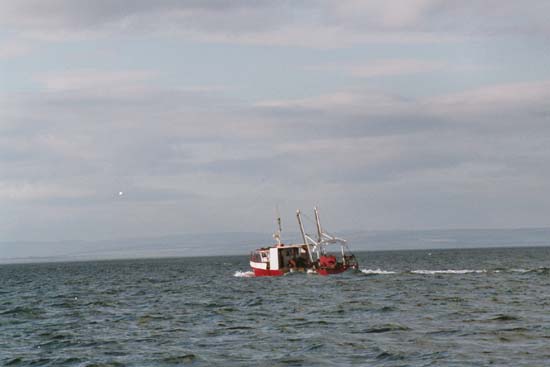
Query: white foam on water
[243, 274]
[449, 271]
[520, 270]
[377, 271]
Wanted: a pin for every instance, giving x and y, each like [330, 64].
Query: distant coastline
[240, 243]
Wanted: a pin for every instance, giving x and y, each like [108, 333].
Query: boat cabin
[281, 258]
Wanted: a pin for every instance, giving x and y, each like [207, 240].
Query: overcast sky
[145, 118]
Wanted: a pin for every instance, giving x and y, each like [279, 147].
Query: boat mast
[318, 223]
[304, 237]
[277, 235]
[320, 247]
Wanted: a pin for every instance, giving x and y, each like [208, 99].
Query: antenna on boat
[301, 226]
[277, 235]
[318, 223]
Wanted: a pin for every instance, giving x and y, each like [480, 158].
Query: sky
[145, 118]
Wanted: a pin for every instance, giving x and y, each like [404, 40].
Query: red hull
[267, 273]
[277, 273]
[332, 271]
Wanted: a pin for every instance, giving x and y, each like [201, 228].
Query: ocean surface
[475, 307]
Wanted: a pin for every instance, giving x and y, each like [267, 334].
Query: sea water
[402, 308]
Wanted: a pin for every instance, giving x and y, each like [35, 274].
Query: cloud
[381, 14]
[407, 151]
[320, 37]
[32, 191]
[93, 79]
[474, 150]
[384, 68]
[526, 97]
[493, 17]
[214, 153]
[191, 152]
[318, 24]
[516, 105]
[13, 48]
[62, 18]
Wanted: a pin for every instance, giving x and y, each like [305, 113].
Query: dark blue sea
[475, 307]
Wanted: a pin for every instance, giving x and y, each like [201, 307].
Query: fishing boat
[316, 256]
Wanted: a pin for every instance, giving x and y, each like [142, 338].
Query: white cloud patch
[498, 99]
[386, 67]
[13, 48]
[32, 191]
[94, 79]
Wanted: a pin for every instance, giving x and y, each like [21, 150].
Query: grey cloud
[190, 159]
[354, 166]
[334, 125]
[499, 109]
[263, 167]
[414, 162]
[120, 15]
[100, 139]
[162, 132]
[171, 153]
[109, 196]
[492, 17]
[474, 137]
[314, 23]
[471, 17]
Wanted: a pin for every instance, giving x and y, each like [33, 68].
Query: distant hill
[449, 238]
[241, 243]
